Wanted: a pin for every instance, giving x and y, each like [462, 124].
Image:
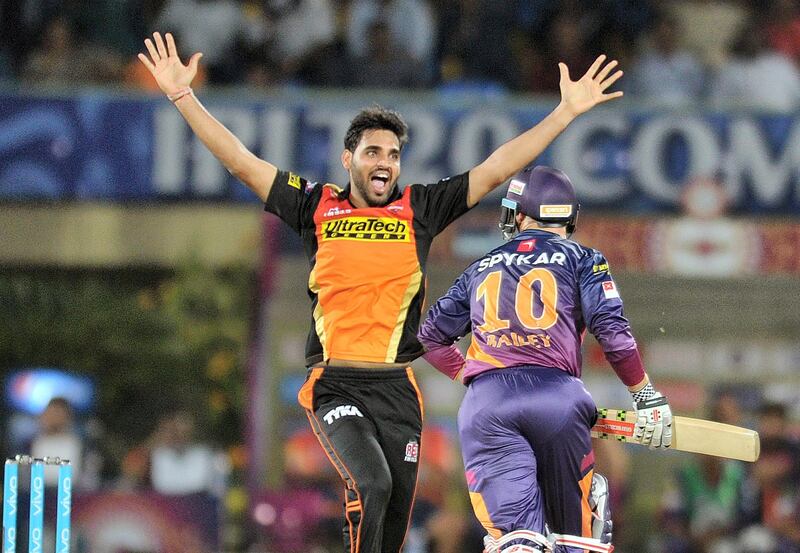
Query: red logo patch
[412, 451]
[471, 478]
[610, 290]
[527, 246]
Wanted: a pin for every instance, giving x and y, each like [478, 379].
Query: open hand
[582, 95]
[165, 65]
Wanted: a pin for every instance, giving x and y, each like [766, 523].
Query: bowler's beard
[366, 193]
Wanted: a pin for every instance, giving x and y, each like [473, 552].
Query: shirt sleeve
[602, 305]
[449, 318]
[293, 199]
[438, 205]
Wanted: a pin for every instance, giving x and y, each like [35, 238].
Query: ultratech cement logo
[366, 228]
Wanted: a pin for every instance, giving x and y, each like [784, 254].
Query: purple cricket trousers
[526, 444]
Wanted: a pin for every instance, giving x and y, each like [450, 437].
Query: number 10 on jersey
[526, 299]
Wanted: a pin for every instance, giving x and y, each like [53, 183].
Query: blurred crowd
[704, 504]
[716, 505]
[172, 460]
[674, 53]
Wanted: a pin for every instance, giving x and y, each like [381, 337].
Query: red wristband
[446, 359]
[628, 365]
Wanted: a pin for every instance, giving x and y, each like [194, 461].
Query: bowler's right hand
[165, 65]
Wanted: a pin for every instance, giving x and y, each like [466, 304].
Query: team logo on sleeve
[610, 289]
[294, 181]
[516, 187]
[412, 451]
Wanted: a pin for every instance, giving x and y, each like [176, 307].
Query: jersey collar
[533, 232]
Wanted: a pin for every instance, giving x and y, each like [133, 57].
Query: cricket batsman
[526, 418]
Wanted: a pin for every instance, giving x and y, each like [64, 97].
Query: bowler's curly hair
[375, 117]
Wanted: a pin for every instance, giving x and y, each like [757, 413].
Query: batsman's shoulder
[586, 252]
[590, 258]
[572, 249]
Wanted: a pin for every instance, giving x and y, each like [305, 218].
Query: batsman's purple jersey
[528, 302]
[525, 421]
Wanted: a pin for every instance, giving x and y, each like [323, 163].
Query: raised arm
[602, 308]
[174, 79]
[576, 97]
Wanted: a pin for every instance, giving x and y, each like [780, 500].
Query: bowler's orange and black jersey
[367, 279]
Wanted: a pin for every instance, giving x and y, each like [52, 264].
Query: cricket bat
[693, 435]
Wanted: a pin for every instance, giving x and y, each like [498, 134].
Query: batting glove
[653, 418]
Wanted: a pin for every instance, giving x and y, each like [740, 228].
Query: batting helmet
[543, 194]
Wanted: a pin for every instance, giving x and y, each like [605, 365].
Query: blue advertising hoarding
[104, 147]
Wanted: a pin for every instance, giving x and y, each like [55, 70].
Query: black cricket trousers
[369, 422]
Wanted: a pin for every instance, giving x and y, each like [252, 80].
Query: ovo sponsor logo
[63, 529]
[366, 229]
[10, 516]
[37, 511]
[64, 541]
[11, 499]
[11, 540]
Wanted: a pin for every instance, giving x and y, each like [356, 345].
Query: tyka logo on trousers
[341, 411]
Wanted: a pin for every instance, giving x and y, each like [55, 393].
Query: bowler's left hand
[590, 90]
